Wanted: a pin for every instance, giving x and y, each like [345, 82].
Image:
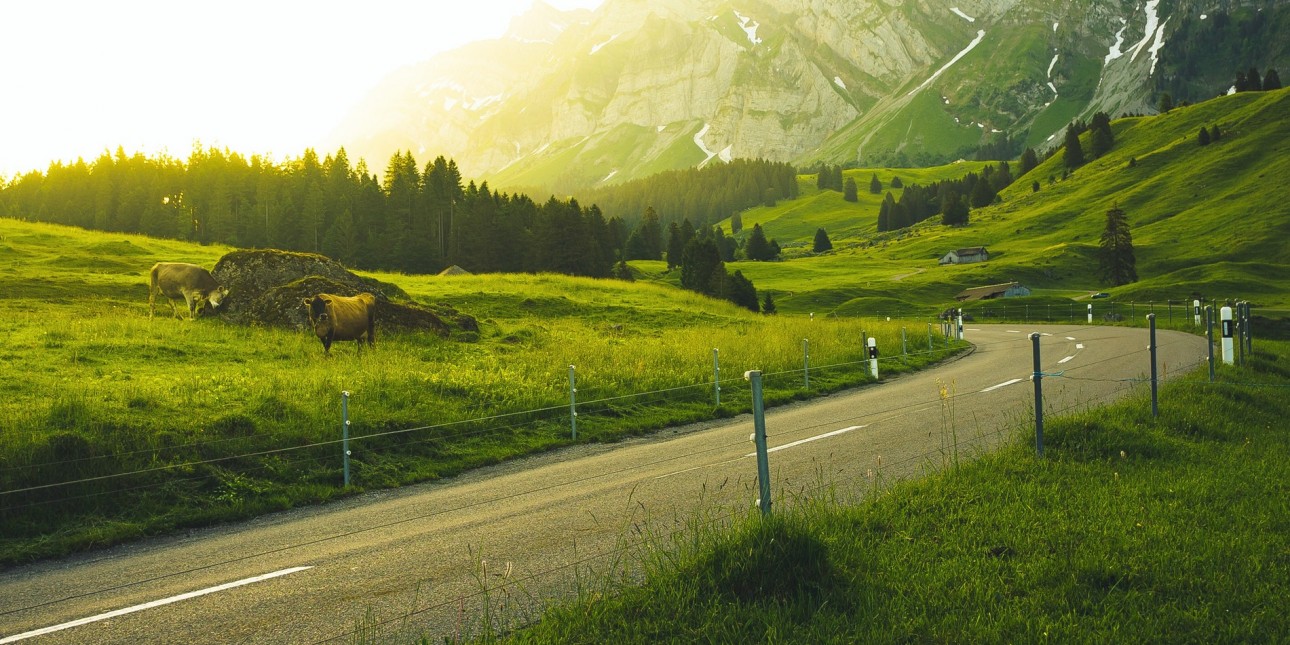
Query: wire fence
[861, 477]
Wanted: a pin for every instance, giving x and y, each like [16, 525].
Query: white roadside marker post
[1225, 320]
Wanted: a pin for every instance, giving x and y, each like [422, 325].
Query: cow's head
[217, 296]
[317, 307]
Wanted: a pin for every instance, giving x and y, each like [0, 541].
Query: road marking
[1079, 345]
[1004, 384]
[1068, 358]
[150, 605]
[808, 440]
[1070, 338]
[1014, 331]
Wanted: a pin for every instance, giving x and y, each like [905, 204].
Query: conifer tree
[1271, 80]
[1203, 137]
[768, 305]
[740, 290]
[1074, 153]
[875, 186]
[736, 224]
[897, 183]
[1253, 80]
[1029, 160]
[1166, 103]
[757, 247]
[822, 241]
[1116, 263]
[849, 190]
[1102, 139]
[675, 246]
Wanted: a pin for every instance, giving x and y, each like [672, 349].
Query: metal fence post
[1209, 338]
[573, 404]
[1249, 330]
[904, 348]
[716, 376]
[806, 362]
[929, 337]
[1155, 383]
[344, 433]
[759, 437]
[1039, 397]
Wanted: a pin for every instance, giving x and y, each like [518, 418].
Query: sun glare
[155, 76]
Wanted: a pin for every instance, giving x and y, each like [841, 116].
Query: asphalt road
[418, 559]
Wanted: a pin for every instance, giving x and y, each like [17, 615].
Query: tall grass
[132, 425]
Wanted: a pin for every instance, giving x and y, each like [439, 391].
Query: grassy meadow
[1206, 221]
[116, 425]
[1129, 529]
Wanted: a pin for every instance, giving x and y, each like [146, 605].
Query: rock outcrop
[268, 287]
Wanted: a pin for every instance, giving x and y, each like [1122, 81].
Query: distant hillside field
[1210, 221]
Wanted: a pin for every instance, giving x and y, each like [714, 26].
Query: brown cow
[177, 280]
[343, 318]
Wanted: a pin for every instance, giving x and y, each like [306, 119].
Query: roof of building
[981, 293]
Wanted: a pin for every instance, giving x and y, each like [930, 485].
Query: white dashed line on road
[150, 605]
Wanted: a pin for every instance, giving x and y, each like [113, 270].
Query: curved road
[416, 559]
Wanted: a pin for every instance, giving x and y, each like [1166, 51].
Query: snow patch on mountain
[609, 176]
[1153, 20]
[1052, 64]
[698, 141]
[962, 15]
[837, 80]
[980, 35]
[611, 39]
[1119, 41]
[750, 27]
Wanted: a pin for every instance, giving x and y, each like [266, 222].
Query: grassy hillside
[115, 425]
[1213, 221]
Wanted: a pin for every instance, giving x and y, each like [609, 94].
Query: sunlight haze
[258, 77]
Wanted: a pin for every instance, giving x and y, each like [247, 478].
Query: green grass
[1129, 529]
[1208, 221]
[168, 423]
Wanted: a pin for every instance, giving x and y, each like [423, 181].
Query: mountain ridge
[571, 100]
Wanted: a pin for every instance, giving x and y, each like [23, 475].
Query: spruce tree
[897, 183]
[1102, 139]
[822, 241]
[875, 186]
[1029, 160]
[1203, 137]
[1074, 153]
[1271, 80]
[675, 246]
[1166, 103]
[740, 290]
[768, 305]
[849, 190]
[1254, 80]
[757, 248]
[736, 224]
[1116, 263]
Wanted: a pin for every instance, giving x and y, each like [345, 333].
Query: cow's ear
[305, 301]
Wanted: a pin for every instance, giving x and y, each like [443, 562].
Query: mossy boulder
[269, 287]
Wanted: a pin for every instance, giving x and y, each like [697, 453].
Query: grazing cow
[177, 280]
[343, 318]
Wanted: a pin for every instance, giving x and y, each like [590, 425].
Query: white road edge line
[150, 605]
[1068, 358]
[1004, 384]
[1070, 338]
[808, 440]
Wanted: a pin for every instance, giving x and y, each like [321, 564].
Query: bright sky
[256, 76]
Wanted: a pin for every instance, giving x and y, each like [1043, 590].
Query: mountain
[569, 100]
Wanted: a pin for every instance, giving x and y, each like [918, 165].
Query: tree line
[952, 199]
[413, 219]
[704, 196]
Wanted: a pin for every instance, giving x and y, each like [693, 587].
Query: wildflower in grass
[1123, 455]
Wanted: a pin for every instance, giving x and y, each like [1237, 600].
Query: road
[414, 560]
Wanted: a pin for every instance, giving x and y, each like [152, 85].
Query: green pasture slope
[1213, 221]
[162, 423]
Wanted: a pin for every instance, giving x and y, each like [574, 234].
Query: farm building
[966, 256]
[990, 292]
